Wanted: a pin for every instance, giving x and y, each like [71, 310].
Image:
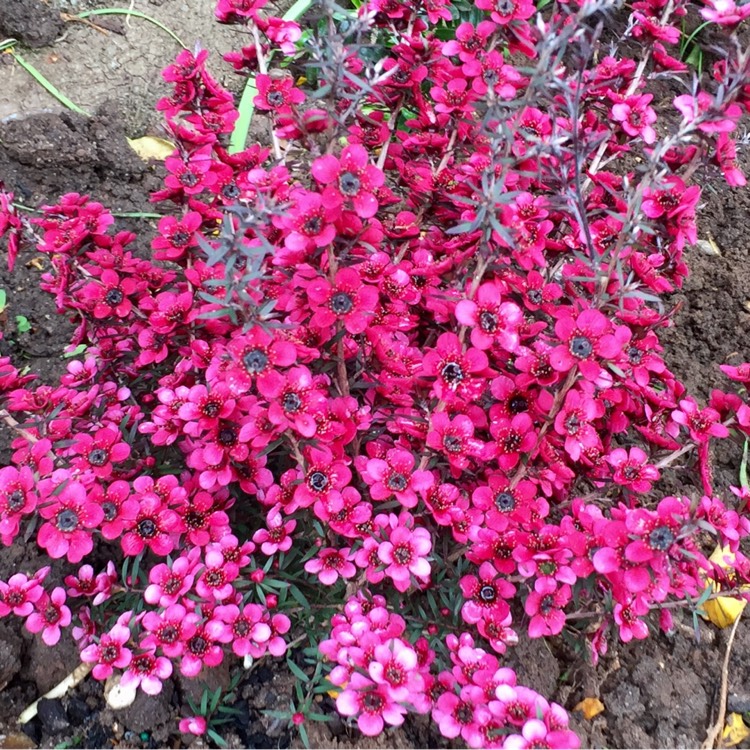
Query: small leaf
[734, 731]
[590, 707]
[149, 147]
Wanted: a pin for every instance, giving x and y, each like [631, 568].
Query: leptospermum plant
[391, 381]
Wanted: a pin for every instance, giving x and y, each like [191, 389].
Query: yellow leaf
[150, 147]
[590, 707]
[723, 610]
[734, 731]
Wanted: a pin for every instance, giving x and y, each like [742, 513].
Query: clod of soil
[32, 22]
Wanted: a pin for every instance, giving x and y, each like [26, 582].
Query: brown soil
[661, 693]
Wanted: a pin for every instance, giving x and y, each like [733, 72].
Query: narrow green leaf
[48, 85]
[134, 14]
[296, 671]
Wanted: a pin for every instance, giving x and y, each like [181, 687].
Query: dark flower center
[464, 713]
[188, 179]
[372, 702]
[169, 634]
[16, 499]
[67, 520]
[581, 347]
[180, 239]
[214, 578]
[275, 98]
[349, 184]
[402, 554]
[635, 355]
[143, 664]
[241, 628]
[452, 372]
[490, 76]
[98, 457]
[172, 584]
[230, 191]
[318, 481]
[291, 402]
[211, 409]
[255, 361]
[573, 424]
[194, 519]
[488, 594]
[631, 472]
[547, 604]
[488, 321]
[147, 528]
[114, 297]
[341, 303]
[51, 613]
[197, 645]
[452, 444]
[518, 404]
[535, 296]
[227, 436]
[661, 538]
[397, 482]
[110, 511]
[109, 653]
[504, 502]
[14, 598]
[313, 225]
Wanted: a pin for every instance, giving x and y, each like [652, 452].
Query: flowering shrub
[391, 379]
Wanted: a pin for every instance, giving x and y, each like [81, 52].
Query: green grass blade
[135, 14]
[238, 139]
[7, 43]
[49, 86]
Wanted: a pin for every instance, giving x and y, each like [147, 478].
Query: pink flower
[69, 519]
[109, 653]
[20, 593]
[492, 321]
[585, 338]
[457, 373]
[98, 452]
[636, 116]
[347, 300]
[545, 606]
[49, 615]
[277, 94]
[331, 563]
[454, 438]
[575, 422]
[350, 178]
[405, 552]
[394, 476]
[309, 224]
[243, 628]
[725, 12]
[632, 470]
[371, 704]
[147, 671]
[395, 666]
[257, 356]
[194, 724]
[150, 525]
[168, 584]
[535, 733]
[276, 537]
[703, 424]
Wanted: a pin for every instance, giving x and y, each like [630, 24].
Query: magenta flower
[276, 536]
[69, 520]
[309, 224]
[150, 525]
[371, 705]
[168, 629]
[395, 666]
[632, 469]
[147, 671]
[257, 355]
[703, 424]
[485, 595]
[350, 178]
[97, 453]
[457, 373]
[585, 338]
[243, 628]
[492, 321]
[176, 236]
[347, 300]
[535, 733]
[168, 584]
[545, 607]
[109, 653]
[200, 649]
[395, 476]
[193, 725]
[20, 593]
[277, 94]
[575, 423]
[49, 615]
[636, 116]
[454, 438]
[216, 579]
[330, 563]
[405, 553]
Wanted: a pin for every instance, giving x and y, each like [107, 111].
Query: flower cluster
[406, 348]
